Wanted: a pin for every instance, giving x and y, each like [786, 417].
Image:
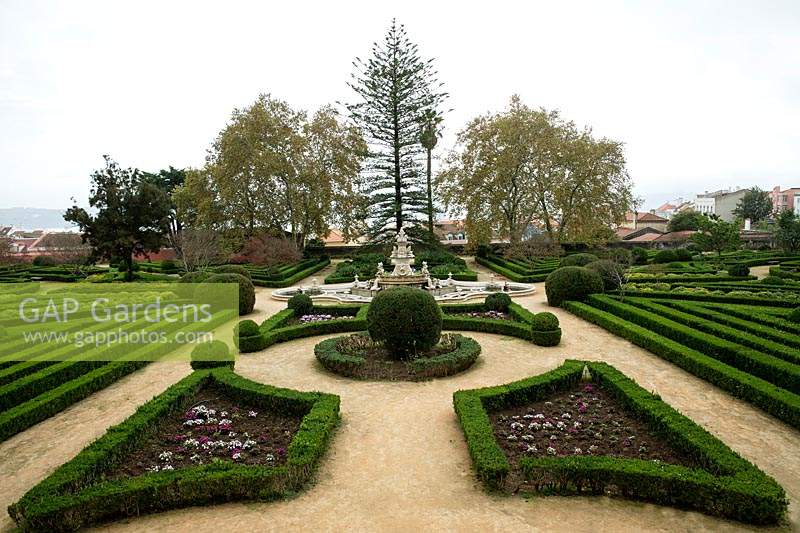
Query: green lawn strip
[752, 333]
[720, 298]
[705, 321]
[774, 400]
[772, 369]
[758, 315]
[77, 495]
[510, 274]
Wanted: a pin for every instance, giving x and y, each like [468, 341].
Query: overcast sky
[704, 95]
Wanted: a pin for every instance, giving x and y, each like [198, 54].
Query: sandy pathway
[399, 462]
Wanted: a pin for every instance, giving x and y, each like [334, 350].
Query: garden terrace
[750, 358]
[695, 470]
[62, 273]
[104, 481]
[285, 275]
[518, 270]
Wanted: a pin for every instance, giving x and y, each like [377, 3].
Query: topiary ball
[233, 269]
[43, 260]
[665, 256]
[248, 328]
[794, 316]
[214, 354]
[195, 277]
[639, 255]
[301, 304]
[578, 260]
[406, 320]
[739, 270]
[773, 280]
[612, 274]
[682, 254]
[247, 293]
[571, 283]
[544, 321]
[497, 301]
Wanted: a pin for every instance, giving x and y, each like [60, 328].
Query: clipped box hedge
[727, 485]
[292, 276]
[77, 495]
[778, 402]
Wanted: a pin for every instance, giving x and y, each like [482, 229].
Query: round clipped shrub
[405, 320]
[773, 280]
[198, 276]
[683, 254]
[214, 354]
[301, 304]
[739, 270]
[578, 260]
[497, 301]
[623, 256]
[233, 269]
[794, 316]
[612, 274]
[571, 283]
[665, 256]
[248, 328]
[639, 255]
[544, 321]
[168, 266]
[247, 293]
[43, 260]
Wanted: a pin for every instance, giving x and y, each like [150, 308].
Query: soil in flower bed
[585, 420]
[212, 428]
[379, 363]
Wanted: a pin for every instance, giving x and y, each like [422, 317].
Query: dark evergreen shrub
[498, 301]
[610, 272]
[571, 283]
[639, 255]
[578, 260]
[197, 276]
[484, 250]
[773, 280]
[43, 260]
[248, 328]
[168, 266]
[406, 320]
[247, 293]
[665, 256]
[301, 304]
[739, 270]
[683, 254]
[623, 256]
[544, 321]
[233, 269]
[212, 354]
[794, 316]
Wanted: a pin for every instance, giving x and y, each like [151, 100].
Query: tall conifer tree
[398, 92]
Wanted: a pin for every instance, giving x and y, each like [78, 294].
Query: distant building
[668, 209]
[786, 199]
[721, 203]
[635, 220]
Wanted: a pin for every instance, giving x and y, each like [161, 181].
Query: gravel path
[399, 462]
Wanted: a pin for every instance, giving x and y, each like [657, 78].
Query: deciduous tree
[689, 220]
[714, 234]
[755, 205]
[132, 215]
[788, 232]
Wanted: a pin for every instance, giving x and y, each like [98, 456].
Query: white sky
[704, 94]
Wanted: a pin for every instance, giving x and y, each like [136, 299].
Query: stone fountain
[404, 275]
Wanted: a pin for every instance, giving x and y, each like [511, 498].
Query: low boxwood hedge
[465, 354]
[314, 265]
[775, 400]
[77, 494]
[726, 486]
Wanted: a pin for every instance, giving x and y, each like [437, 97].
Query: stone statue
[425, 271]
[380, 271]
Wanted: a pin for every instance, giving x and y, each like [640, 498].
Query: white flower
[540, 416]
[167, 467]
[553, 437]
[551, 450]
[154, 468]
[532, 449]
[536, 426]
[576, 424]
[527, 416]
[191, 442]
[528, 437]
[511, 437]
[249, 443]
[516, 425]
[269, 457]
[578, 451]
[165, 456]
[561, 425]
[195, 457]
[547, 425]
[592, 448]
[252, 414]
[223, 414]
[237, 456]
[566, 415]
[225, 421]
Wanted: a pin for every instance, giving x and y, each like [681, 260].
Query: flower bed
[79, 493]
[359, 357]
[695, 470]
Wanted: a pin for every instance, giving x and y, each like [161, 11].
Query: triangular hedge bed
[726, 485]
[77, 495]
